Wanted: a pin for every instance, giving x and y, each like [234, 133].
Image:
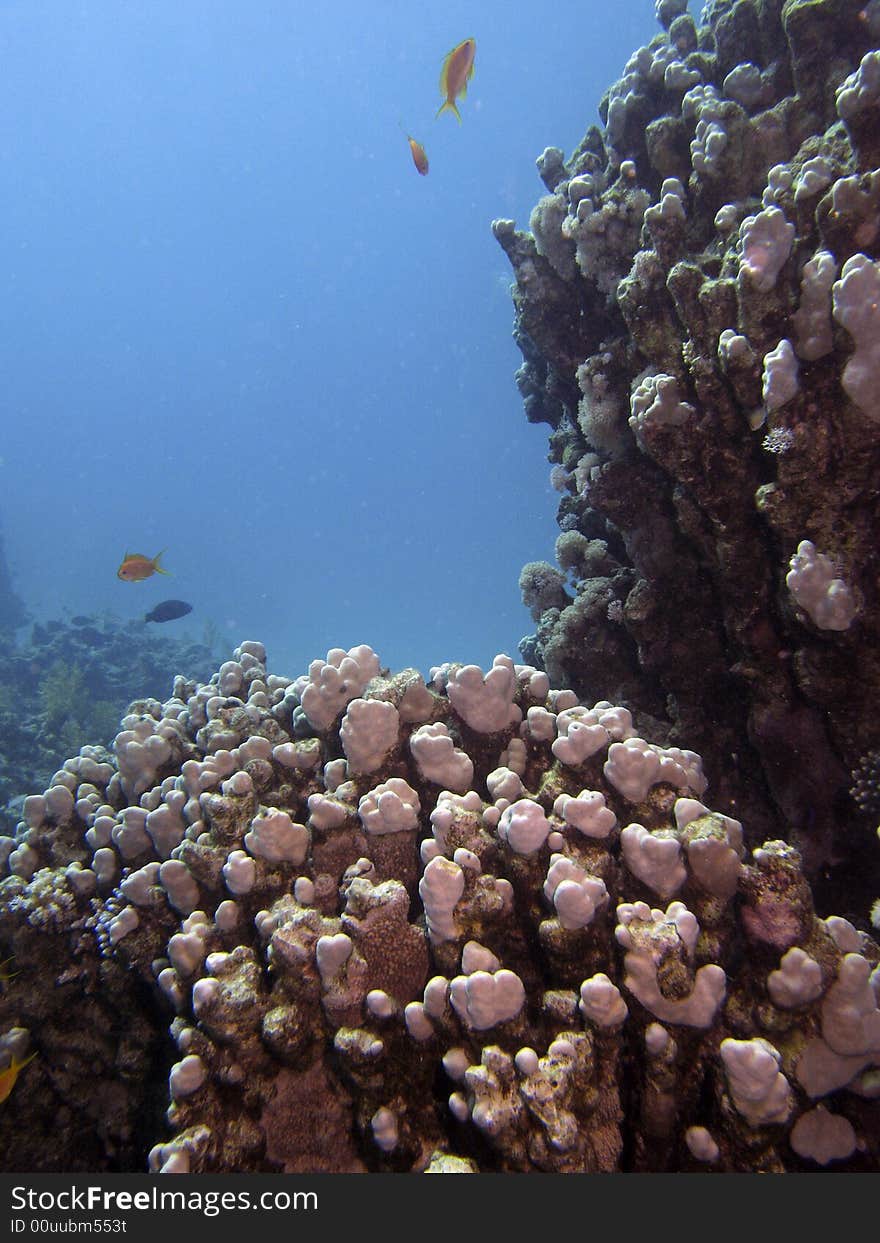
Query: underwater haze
[239, 326]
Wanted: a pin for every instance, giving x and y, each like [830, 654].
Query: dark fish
[79, 620]
[168, 610]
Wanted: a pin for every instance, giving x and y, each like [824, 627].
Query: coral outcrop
[356, 921]
[696, 305]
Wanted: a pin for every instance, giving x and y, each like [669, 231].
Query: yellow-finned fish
[457, 71]
[10, 1074]
[135, 567]
[418, 154]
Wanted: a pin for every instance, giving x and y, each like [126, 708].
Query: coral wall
[697, 307]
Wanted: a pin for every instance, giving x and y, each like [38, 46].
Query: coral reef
[354, 921]
[364, 921]
[696, 305]
[70, 682]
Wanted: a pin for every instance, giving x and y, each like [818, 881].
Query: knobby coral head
[338, 891]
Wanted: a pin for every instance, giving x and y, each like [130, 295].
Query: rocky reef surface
[697, 307]
[354, 921]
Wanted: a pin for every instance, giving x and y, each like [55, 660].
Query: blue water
[236, 324]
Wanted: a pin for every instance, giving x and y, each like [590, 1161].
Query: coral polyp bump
[568, 962]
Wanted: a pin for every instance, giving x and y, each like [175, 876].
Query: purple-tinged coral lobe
[766, 244]
[780, 378]
[817, 588]
[856, 303]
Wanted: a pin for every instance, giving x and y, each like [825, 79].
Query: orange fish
[10, 1074]
[457, 71]
[136, 567]
[418, 154]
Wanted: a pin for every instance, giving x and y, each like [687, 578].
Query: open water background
[237, 325]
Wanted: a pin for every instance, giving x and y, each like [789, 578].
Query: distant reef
[13, 613]
[70, 682]
[697, 308]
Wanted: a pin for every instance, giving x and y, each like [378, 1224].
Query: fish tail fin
[156, 566]
[448, 104]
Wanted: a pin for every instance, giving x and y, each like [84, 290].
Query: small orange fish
[457, 71]
[11, 1073]
[136, 567]
[418, 154]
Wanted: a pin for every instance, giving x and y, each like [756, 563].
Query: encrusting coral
[697, 308]
[357, 922]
